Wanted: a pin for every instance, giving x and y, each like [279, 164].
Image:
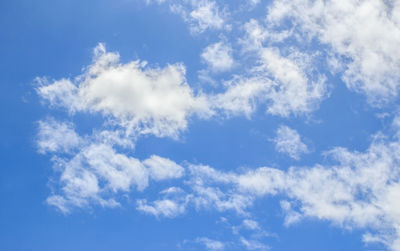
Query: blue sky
[200, 125]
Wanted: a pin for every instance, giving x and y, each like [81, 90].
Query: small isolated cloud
[218, 57]
[288, 141]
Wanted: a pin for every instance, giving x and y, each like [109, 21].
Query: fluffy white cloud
[241, 97]
[140, 99]
[286, 84]
[54, 136]
[288, 141]
[206, 15]
[365, 32]
[218, 56]
[360, 191]
[92, 172]
[293, 91]
[162, 168]
[166, 208]
[201, 15]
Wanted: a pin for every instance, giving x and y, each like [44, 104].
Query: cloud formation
[288, 141]
[365, 35]
[138, 99]
[282, 74]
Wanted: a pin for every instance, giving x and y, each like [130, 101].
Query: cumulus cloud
[359, 191]
[293, 91]
[162, 168]
[365, 33]
[359, 40]
[166, 208]
[242, 96]
[91, 171]
[138, 98]
[199, 15]
[288, 141]
[56, 136]
[206, 15]
[218, 56]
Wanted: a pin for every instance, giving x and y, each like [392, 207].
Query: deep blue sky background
[55, 39]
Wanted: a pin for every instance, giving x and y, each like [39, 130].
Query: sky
[200, 125]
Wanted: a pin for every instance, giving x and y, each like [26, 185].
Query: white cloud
[293, 91]
[162, 168]
[261, 181]
[359, 191]
[92, 172]
[250, 224]
[286, 85]
[166, 208]
[200, 15]
[367, 32]
[54, 136]
[218, 56]
[253, 244]
[288, 141]
[211, 244]
[241, 97]
[138, 98]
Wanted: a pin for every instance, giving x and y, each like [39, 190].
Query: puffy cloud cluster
[279, 82]
[92, 172]
[357, 39]
[364, 34]
[138, 99]
[361, 190]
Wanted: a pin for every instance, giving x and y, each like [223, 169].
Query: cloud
[250, 224]
[285, 84]
[55, 136]
[200, 15]
[211, 244]
[162, 168]
[206, 15]
[91, 171]
[359, 190]
[140, 99]
[218, 57]
[359, 41]
[166, 208]
[241, 96]
[293, 91]
[288, 141]
[253, 244]
[364, 33]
